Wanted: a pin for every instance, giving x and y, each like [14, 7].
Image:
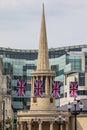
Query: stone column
[61, 127]
[41, 77]
[24, 126]
[29, 125]
[40, 126]
[51, 125]
[17, 126]
[67, 126]
[46, 86]
[32, 88]
[21, 126]
[37, 78]
[50, 85]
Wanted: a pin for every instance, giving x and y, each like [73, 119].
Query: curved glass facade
[18, 64]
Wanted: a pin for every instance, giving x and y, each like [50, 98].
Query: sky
[20, 20]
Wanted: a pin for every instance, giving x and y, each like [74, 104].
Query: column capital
[40, 121]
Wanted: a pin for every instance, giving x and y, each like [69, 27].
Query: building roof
[51, 49]
[65, 107]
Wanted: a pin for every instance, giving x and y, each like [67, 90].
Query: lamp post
[75, 112]
[60, 120]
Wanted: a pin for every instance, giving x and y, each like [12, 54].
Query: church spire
[43, 73]
[43, 59]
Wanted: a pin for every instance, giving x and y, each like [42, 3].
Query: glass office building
[18, 64]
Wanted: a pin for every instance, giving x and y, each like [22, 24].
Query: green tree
[8, 124]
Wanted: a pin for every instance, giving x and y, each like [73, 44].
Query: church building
[43, 114]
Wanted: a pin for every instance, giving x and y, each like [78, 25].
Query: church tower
[43, 112]
[43, 72]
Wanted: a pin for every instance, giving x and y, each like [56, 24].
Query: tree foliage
[8, 124]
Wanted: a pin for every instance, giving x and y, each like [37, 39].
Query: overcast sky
[66, 23]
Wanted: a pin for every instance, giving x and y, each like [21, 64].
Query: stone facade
[40, 120]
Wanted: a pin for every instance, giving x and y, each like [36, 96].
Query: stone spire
[44, 73]
[43, 59]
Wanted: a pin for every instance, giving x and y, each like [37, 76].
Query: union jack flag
[73, 91]
[21, 86]
[56, 89]
[38, 88]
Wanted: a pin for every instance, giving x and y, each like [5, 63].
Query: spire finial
[43, 59]
[43, 6]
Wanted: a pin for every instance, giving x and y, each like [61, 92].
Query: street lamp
[75, 112]
[60, 120]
